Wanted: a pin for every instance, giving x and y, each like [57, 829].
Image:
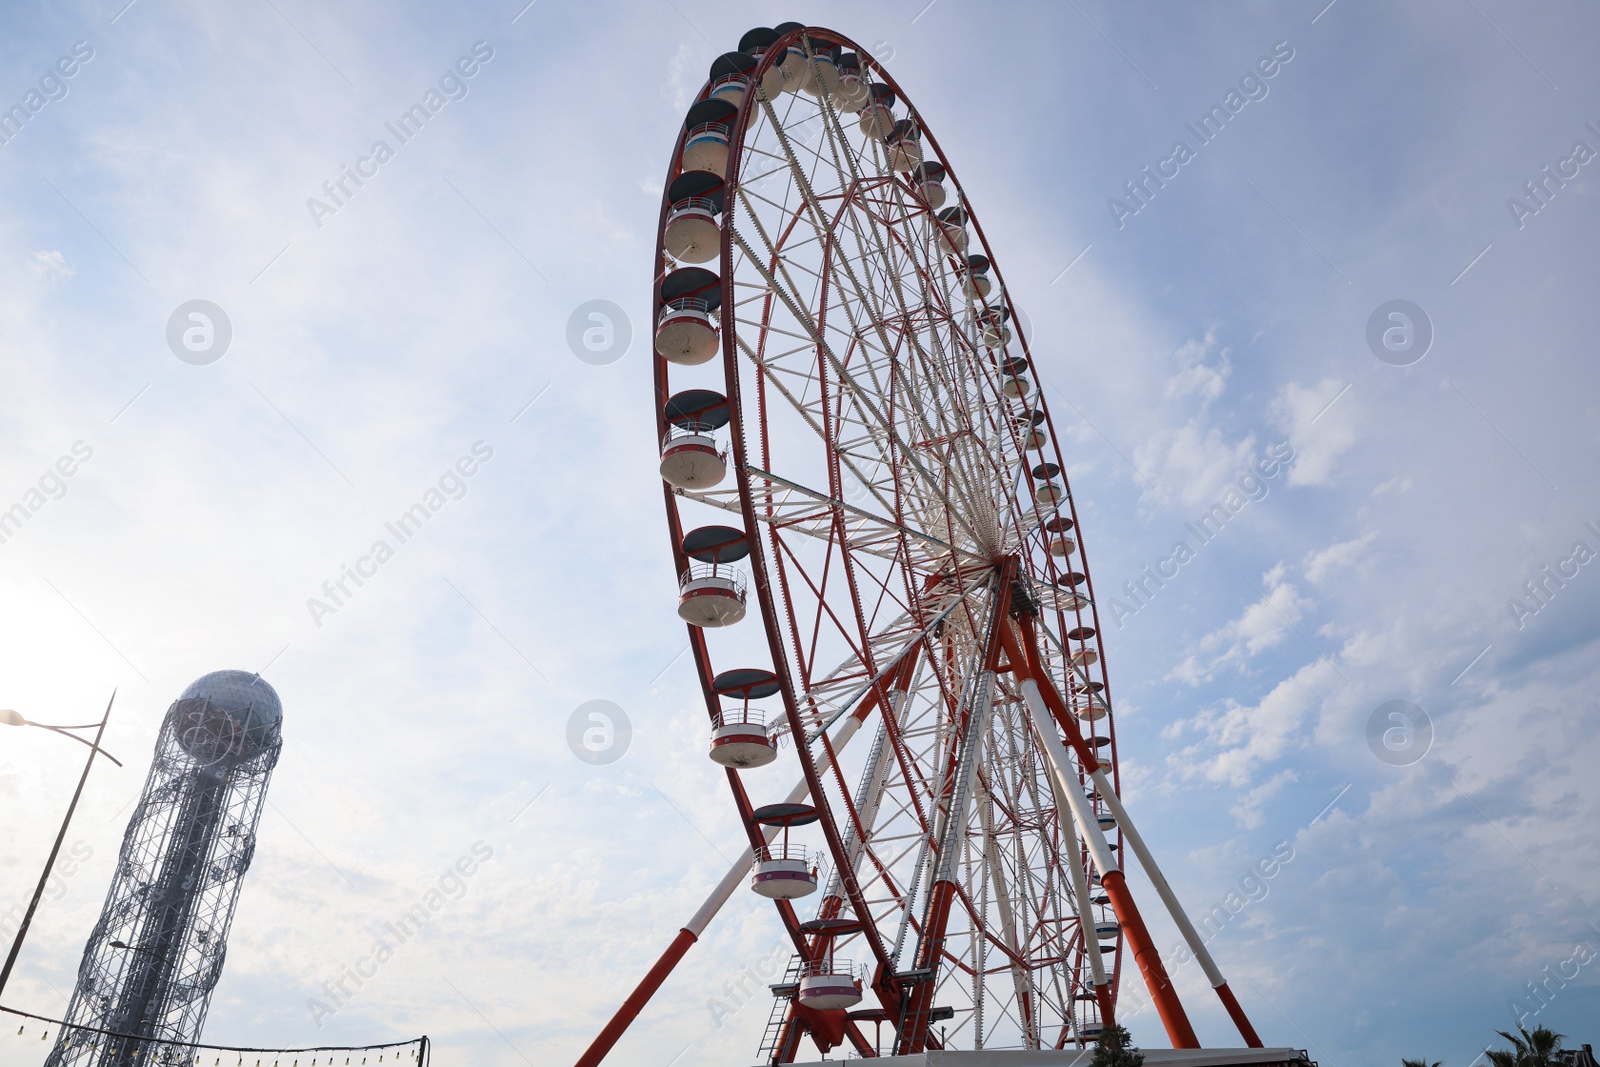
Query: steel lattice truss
[172, 898]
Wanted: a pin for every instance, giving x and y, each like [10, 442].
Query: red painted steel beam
[1108, 1007]
[1145, 954]
[1240, 1020]
[636, 1001]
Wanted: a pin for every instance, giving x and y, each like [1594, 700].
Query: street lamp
[12, 718]
[132, 948]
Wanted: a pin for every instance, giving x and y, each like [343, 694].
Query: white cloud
[1263, 625]
[1320, 422]
[1192, 463]
[1196, 375]
[683, 74]
[52, 265]
[1239, 738]
[1320, 564]
[1250, 809]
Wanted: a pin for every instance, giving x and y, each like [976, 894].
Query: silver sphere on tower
[154, 957]
[227, 716]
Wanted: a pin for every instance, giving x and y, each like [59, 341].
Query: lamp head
[12, 718]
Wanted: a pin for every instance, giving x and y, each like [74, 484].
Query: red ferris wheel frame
[1013, 648]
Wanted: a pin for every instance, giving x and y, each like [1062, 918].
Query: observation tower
[154, 957]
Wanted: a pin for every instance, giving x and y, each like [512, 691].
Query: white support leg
[1148, 861]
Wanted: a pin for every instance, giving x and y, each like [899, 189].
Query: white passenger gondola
[740, 736]
[953, 231]
[730, 77]
[740, 739]
[686, 332]
[822, 70]
[711, 593]
[927, 181]
[690, 455]
[1045, 491]
[1013, 383]
[755, 43]
[784, 871]
[996, 334]
[1030, 426]
[975, 281]
[829, 985]
[1055, 530]
[792, 64]
[877, 118]
[705, 146]
[904, 146]
[852, 94]
[1091, 710]
[691, 233]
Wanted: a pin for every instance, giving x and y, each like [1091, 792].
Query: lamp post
[12, 718]
[132, 948]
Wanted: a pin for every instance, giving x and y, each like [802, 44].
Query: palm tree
[1420, 1063]
[1537, 1048]
[1114, 1049]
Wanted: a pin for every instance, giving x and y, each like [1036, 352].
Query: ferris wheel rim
[760, 566]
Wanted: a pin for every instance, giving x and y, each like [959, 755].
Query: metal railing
[702, 571]
[833, 968]
[677, 432]
[784, 851]
[706, 130]
[684, 303]
[742, 716]
[693, 203]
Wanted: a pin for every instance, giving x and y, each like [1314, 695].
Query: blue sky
[1227, 316]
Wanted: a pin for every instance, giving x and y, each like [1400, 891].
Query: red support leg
[1102, 996]
[1173, 1017]
[637, 1000]
[1246, 1031]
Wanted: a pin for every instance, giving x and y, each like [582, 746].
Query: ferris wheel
[884, 583]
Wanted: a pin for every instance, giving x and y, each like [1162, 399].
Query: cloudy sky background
[1228, 316]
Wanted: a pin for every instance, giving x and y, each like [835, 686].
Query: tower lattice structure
[179, 872]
